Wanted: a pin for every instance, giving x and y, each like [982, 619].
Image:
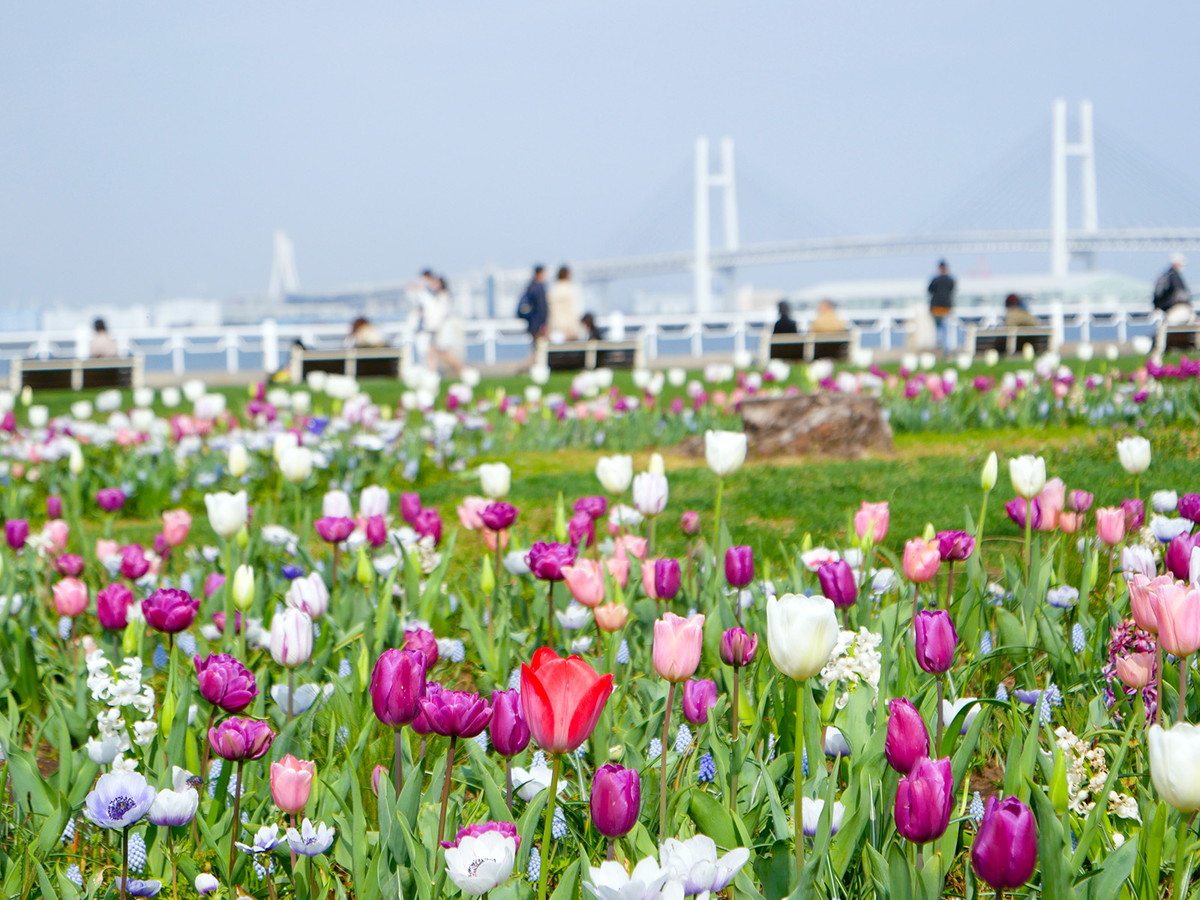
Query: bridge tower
[705, 181]
[1061, 150]
[284, 277]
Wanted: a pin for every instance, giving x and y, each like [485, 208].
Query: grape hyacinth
[558, 828]
[707, 770]
[137, 852]
[623, 653]
[976, 809]
[1078, 638]
[683, 739]
[655, 749]
[534, 870]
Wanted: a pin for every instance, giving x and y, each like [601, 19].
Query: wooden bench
[1176, 337]
[357, 362]
[571, 356]
[1008, 340]
[807, 346]
[76, 374]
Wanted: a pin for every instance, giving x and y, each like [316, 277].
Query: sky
[150, 150]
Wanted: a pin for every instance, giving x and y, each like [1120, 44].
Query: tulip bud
[907, 740]
[935, 637]
[379, 775]
[1059, 795]
[699, 696]
[689, 522]
[508, 729]
[739, 566]
[239, 460]
[291, 638]
[738, 647]
[75, 460]
[397, 686]
[487, 577]
[363, 571]
[243, 588]
[987, 479]
[1004, 852]
[837, 583]
[615, 800]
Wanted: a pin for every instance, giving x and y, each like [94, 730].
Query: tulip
[397, 686]
[238, 460]
[699, 696]
[907, 741]
[677, 645]
[837, 583]
[16, 533]
[309, 595]
[1178, 556]
[1177, 613]
[376, 531]
[615, 473]
[1173, 769]
[373, 500]
[296, 464]
[227, 513]
[872, 521]
[110, 499]
[112, 607]
[593, 507]
[176, 525]
[1136, 558]
[987, 477]
[618, 568]
[628, 545]
[225, 682]
[1189, 507]
[738, 647]
[334, 530]
[1028, 475]
[336, 505]
[616, 800]
[955, 545]
[801, 634]
[1135, 513]
[650, 493]
[495, 479]
[1136, 670]
[508, 729]
[133, 562]
[498, 516]
[935, 637]
[291, 783]
[1080, 501]
[1110, 525]
[410, 505]
[739, 566]
[54, 507]
[243, 587]
[1004, 852]
[291, 638]
[924, 801]
[1024, 512]
[611, 616]
[921, 560]
[581, 529]
[546, 560]
[1134, 455]
[724, 451]
[238, 739]
[470, 512]
[562, 699]
[213, 582]
[424, 642]
[428, 523]
[70, 597]
[170, 610]
[69, 564]
[585, 581]
[456, 713]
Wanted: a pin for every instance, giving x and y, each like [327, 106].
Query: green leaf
[712, 818]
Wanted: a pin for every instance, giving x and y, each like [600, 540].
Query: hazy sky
[150, 149]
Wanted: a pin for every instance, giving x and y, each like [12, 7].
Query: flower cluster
[856, 661]
[120, 691]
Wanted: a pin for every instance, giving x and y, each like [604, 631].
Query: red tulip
[562, 699]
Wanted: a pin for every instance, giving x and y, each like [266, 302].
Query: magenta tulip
[425, 643]
[924, 801]
[837, 583]
[699, 696]
[546, 560]
[456, 713]
[110, 499]
[955, 545]
[238, 739]
[616, 800]
[508, 729]
[739, 566]
[170, 610]
[738, 647]
[499, 515]
[428, 523]
[112, 607]
[334, 529]
[397, 686]
[907, 740]
[1004, 853]
[225, 682]
[16, 533]
[934, 637]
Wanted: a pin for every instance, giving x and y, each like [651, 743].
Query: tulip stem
[612, 850]
[662, 781]
[441, 832]
[733, 727]
[237, 819]
[125, 859]
[941, 692]
[650, 538]
[550, 613]
[1028, 543]
[1158, 692]
[801, 689]
[1183, 680]
[949, 582]
[291, 694]
[547, 824]
[398, 764]
[717, 523]
[494, 598]
[508, 782]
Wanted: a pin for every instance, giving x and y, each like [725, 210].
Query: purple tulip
[161, 546]
[421, 723]
[112, 606]
[592, 507]
[16, 532]
[225, 682]
[1135, 514]
[239, 739]
[69, 564]
[924, 800]
[935, 637]
[376, 531]
[738, 647]
[423, 642]
[689, 522]
[739, 566]
[334, 529]
[907, 740]
[456, 713]
[1004, 853]
[213, 583]
[546, 560]
[1189, 507]
[219, 620]
[410, 505]
[616, 800]
[110, 499]
[428, 523]
[699, 696]
[581, 529]
[397, 686]
[1016, 509]
[1080, 501]
[837, 583]
[1178, 558]
[170, 610]
[666, 578]
[54, 507]
[509, 730]
[133, 562]
[499, 515]
[955, 545]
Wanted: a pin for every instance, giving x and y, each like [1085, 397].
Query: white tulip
[7, 401]
[239, 460]
[1112, 352]
[284, 441]
[615, 473]
[1134, 454]
[316, 380]
[296, 464]
[991, 357]
[987, 479]
[194, 389]
[641, 378]
[811, 814]
[107, 401]
[243, 587]
[1164, 501]
[676, 376]
[1142, 345]
[336, 504]
[38, 416]
[308, 594]
[964, 361]
[724, 451]
[539, 374]
[495, 479]
[81, 410]
[909, 361]
[1028, 475]
[373, 501]
[209, 406]
[1175, 764]
[227, 512]
[801, 633]
[1085, 352]
[301, 403]
[656, 464]
[75, 460]
[291, 638]
[170, 397]
[533, 394]
[650, 493]
[743, 359]
[480, 863]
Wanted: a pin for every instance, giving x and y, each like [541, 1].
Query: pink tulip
[470, 510]
[106, 548]
[1140, 590]
[1177, 609]
[618, 568]
[872, 519]
[57, 533]
[611, 616]
[490, 538]
[1051, 501]
[176, 525]
[1070, 522]
[1136, 670]
[1110, 525]
[629, 545]
[70, 597]
[585, 581]
[291, 783]
[921, 560]
[677, 645]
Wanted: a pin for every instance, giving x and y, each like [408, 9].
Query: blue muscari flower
[623, 653]
[534, 871]
[64, 628]
[707, 771]
[482, 740]
[655, 749]
[683, 739]
[343, 735]
[558, 827]
[985, 643]
[804, 761]
[514, 680]
[976, 810]
[69, 832]
[1078, 638]
[290, 572]
[74, 875]
[582, 752]
[457, 652]
[539, 759]
[1001, 693]
[137, 852]
[260, 870]
[186, 642]
[344, 669]
[160, 656]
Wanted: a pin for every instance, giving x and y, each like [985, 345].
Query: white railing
[255, 349]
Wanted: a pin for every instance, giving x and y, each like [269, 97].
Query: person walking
[562, 301]
[532, 307]
[941, 304]
[445, 331]
[1171, 294]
